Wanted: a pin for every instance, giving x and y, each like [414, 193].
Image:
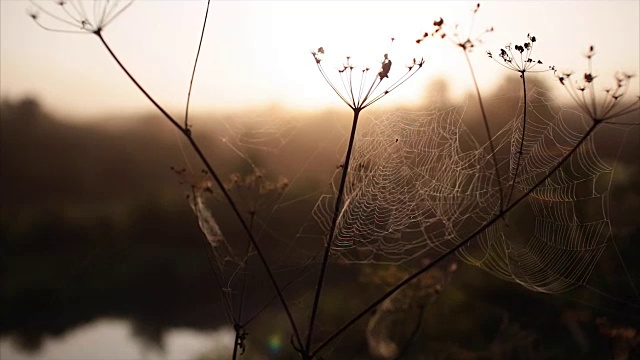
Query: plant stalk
[239, 327]
[195, 64]
[524, 127]
[334, 222]
[487, 130]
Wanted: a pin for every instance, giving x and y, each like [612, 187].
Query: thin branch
[393, 86]
[153, 101]
[620, 123]
[195, 63]
[488, 131]
[524, 129]
[326, 78]
[334, 222]
[48, 13]
[244, 277]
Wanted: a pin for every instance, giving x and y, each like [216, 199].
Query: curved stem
[195, 63]
[238, 327]
[326, 78]
[220, 185]
[153, 101]
[334, 222]
[488, 131]
[524, 129]
[458, 246]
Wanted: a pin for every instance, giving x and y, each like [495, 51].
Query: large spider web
[420, 183]
[408, 172]
[568, 220]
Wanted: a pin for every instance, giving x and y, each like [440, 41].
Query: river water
[113, 339]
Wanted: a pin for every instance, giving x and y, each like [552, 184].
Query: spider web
[408, 172]
[571, 227]
[420, 183]
[262, 131]
[265, 189]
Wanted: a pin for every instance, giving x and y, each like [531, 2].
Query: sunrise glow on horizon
[257, 53]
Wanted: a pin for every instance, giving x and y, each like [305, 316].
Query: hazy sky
[257, 52]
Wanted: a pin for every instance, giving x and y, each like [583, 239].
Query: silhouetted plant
[610, 109]
[467, 42]
[256, 193]
[72, 17]
[73, 14]
[357, 99]
[362, 88]
[583, 92]
[522, 63]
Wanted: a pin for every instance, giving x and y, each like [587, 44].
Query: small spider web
[266, 190]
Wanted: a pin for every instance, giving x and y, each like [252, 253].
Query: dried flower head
[466, 42]
[520, 60]
[599, 105]
[357, 95]
[255, 192]
[77, 16]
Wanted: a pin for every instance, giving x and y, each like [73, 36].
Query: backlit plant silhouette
[71, 16]
[467, 42]
[360, 88]
[522, 63]
[584, 93]
[360, 91]
[74, 15]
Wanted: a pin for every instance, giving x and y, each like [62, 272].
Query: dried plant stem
[244, 275]
[524, 129]
[218, 182]
[334, 222]
[239, 337]
[453, 250]
[487, 129]
[237, 326]
[236, 343]
[195, 64]
[163, 111]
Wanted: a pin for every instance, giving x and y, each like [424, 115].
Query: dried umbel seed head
[520, 60]
[77, 16]
[317, 54]
[360, 89]
[386, 67]
[466, 42]
[598, 105]
[255, 191]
